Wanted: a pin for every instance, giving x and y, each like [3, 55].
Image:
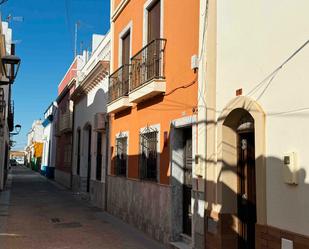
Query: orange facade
[179, 26]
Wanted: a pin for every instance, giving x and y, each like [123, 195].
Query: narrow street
[36, 213]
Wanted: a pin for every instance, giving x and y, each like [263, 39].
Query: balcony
[147, 72]
[65, 122]
[118, 90]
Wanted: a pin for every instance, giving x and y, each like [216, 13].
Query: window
[121, 156]
[67, 155]
[154, 16]
[148, 154]
[126, 48]
[99, 157]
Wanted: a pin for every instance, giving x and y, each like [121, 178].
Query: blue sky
[45, 42]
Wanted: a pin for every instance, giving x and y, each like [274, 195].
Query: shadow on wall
[232, 216]
[98, 105]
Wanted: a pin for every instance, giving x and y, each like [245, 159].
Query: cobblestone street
[36, 213]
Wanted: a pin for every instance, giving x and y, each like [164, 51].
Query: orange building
[153, 94]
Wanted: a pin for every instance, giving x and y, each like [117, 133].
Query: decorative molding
[119, 9]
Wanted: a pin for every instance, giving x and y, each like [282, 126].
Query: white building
[6, 108]
[90, 136]
[35, 137]
[49, 138]
[253, 119]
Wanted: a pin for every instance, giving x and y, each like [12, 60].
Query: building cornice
[119, 9]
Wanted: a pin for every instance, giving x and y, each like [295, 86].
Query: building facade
[6, 106]
[64, 123]
[254, 82]
[90, 123]
[49, 137]
[153, 96]
[34, 148]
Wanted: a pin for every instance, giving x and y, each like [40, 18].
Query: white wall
[85, 111]
[46, 144]
[253, 39]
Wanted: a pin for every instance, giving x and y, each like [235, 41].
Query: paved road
[37, 214]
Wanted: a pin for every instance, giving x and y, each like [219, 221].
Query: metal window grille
[148, 154]
[121, 156]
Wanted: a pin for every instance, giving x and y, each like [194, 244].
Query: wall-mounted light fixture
[17, 130]
[11, 65]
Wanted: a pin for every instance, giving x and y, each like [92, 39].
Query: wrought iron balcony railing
[148, 63]
[119, 83]
[65, 122]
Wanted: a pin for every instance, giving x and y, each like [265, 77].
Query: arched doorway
[242, 173]
[87, 150]
[238, 175]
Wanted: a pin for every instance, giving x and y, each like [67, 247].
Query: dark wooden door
[154, 16]
[187, 186]
[246, 191]
[78, 152]
[153, 49]
[99, 157]
[125, 61]
[89, 159]
[126, 48]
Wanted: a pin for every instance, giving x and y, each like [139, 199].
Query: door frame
[176, 178]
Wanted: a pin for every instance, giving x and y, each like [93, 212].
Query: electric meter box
[290, 168]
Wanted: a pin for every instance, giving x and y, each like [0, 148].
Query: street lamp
[11, 65]
[17, 130]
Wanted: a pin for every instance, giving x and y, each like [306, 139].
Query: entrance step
[186, 239]
[185, 242]
[180, 245]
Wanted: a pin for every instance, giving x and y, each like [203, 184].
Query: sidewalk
[42, 215]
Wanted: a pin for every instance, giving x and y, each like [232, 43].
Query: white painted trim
[119, 9]
[184, 121]
[112, 46]
[123, 134]
[158, 128]
[188, 121]
[147, 5]
[128, 28]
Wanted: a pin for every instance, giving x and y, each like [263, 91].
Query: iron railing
[148, 63]
[65, 121]
[148, 154]
[121, 156]
[119, 83]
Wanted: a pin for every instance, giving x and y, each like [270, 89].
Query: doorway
[89, 158]
[187, 183]
[246, 201]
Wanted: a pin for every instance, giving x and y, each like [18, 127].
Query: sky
[45, 43]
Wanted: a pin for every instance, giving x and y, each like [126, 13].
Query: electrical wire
[181, 87]
[273, 74]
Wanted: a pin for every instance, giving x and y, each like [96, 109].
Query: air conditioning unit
[100, 121]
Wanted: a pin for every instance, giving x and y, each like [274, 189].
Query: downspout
[106, 162]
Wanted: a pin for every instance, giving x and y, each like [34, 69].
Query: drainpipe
[106, 161]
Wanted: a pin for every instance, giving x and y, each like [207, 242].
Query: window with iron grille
[148, 154]
[121, 156]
